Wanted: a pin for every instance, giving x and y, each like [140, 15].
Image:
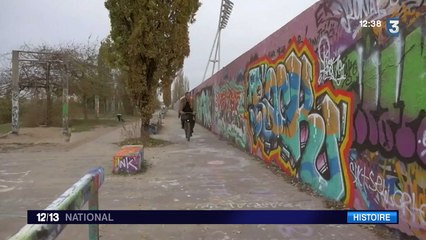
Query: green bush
[5, 110]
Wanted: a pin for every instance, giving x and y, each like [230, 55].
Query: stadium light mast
[225, 11]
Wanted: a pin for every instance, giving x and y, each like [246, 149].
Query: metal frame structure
[28, 56]
[225, 11]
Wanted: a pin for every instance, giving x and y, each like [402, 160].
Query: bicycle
[186, 117]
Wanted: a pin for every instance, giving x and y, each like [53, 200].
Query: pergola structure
[48, 58]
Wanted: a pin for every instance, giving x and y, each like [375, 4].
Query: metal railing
[85, 189]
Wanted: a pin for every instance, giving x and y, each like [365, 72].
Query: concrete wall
[340, 106]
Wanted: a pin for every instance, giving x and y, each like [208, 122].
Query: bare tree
[42, 75]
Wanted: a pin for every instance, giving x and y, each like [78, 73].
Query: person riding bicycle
[186, 107]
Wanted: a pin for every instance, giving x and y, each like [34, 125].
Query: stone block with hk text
[128, 159]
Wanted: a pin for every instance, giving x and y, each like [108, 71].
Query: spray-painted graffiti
[351, 71]
[391, 121]
[333, 17]
[328, 24]
[421, 149]
[290, 122]
[331, 68]
[128, 159]
[339, 106]
[74, 198]
[128, 164]
[390, 184]
[389, 156]
[408, 12]
[355, 10]
[229, 111]
[387, 74]
[347, 14]
[15, 111]
[204, 107]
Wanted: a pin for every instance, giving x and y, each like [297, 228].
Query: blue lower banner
[373, 217]
[211, 217]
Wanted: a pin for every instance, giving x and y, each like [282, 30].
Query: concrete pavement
[205, 173]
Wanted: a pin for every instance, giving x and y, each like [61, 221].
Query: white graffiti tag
[423, 153]
[331, 68]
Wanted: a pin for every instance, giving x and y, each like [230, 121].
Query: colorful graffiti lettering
[337, 16]
[128, 159]
[229, 110]
[204, 107]
[389, 120]
[293, 124]
[408, 13]
[390, 184]
[382, 123]
[340, 106]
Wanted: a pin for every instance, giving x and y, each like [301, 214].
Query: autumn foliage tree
[151, 40]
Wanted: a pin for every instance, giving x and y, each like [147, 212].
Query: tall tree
[147, 35]
[120, 77]
[105, 76]
[167, 91]
[104, 70]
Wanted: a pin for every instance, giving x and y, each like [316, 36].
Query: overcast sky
[61, 21]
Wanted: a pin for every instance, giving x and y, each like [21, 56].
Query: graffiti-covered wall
[337, 101]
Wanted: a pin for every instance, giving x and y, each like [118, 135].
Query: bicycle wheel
[187, 130]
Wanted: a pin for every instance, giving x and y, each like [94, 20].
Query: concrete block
[128, 159]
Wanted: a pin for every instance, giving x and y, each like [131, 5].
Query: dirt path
[204, 173]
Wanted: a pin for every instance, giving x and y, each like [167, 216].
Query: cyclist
[185, 106]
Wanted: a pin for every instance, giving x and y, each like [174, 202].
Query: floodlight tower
[225, 11]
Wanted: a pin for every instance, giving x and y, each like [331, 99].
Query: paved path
[204, 173]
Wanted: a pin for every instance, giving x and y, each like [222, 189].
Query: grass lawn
[5, 128]
[81, 125]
